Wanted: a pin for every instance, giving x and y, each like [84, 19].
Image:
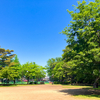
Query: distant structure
[46, 78]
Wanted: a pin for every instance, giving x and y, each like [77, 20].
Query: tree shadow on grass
[82, 92]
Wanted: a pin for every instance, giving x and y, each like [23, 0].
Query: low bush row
[35, 82]
[57, 82]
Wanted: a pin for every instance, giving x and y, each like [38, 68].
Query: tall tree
[31, 70]
[51, 64]
[16, 69]
[83, 50]
[6, 57]
[9, 73]
[60, 71]
[5, 61]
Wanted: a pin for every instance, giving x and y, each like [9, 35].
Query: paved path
[36, 92]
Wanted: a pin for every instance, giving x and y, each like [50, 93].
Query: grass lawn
[76, 86]
[9, 85]
[82, 91]
[88, 96]
[13, 85]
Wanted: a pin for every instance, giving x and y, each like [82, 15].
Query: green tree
[51, 63]
[6, 61]
[11, 72]
[28, 70]
[60, 71]
[8, 73]
[31, 70]
[4, 73]
[16, 69]
[6, 57]
[83, 50]
[40, 73]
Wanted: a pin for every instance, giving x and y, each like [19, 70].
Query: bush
[30, 82]
[35, 82]
[7, 84]
[56, 82]
[66, 82]
[42, 82]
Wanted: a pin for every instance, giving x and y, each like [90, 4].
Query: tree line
[11, 69]
[80, 61]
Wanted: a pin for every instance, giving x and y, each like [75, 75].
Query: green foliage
[35, 82]
[57, 69]
[30, 70]
[82, 53]
[60, 70]
[16, 73]
[51, 63]
[31, 82]
[81, 58]
[64, 82]
[6, 57]
[56, 82]
[8, 69]
[12, 69]
[42, 82]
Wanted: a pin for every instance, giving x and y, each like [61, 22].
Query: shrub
[30, 82]
[42, 82]
[56, 82]
[66, 82]
[35, 82]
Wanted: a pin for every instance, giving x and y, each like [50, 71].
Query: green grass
[88, 96]
[13, 85]
[82, 95]
[9, 85]
[75, 86]
[96, 88]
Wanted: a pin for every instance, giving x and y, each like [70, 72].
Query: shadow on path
[84, 92]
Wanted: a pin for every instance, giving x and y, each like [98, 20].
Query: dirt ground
[42, 92]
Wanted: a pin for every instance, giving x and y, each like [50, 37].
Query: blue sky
[31, 28]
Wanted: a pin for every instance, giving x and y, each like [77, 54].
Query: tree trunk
[14, 81]
[2, 81]
[95, 85]
[76, 82]
[28, 80]
[7, 81]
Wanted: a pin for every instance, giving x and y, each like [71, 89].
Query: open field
[48, 92]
